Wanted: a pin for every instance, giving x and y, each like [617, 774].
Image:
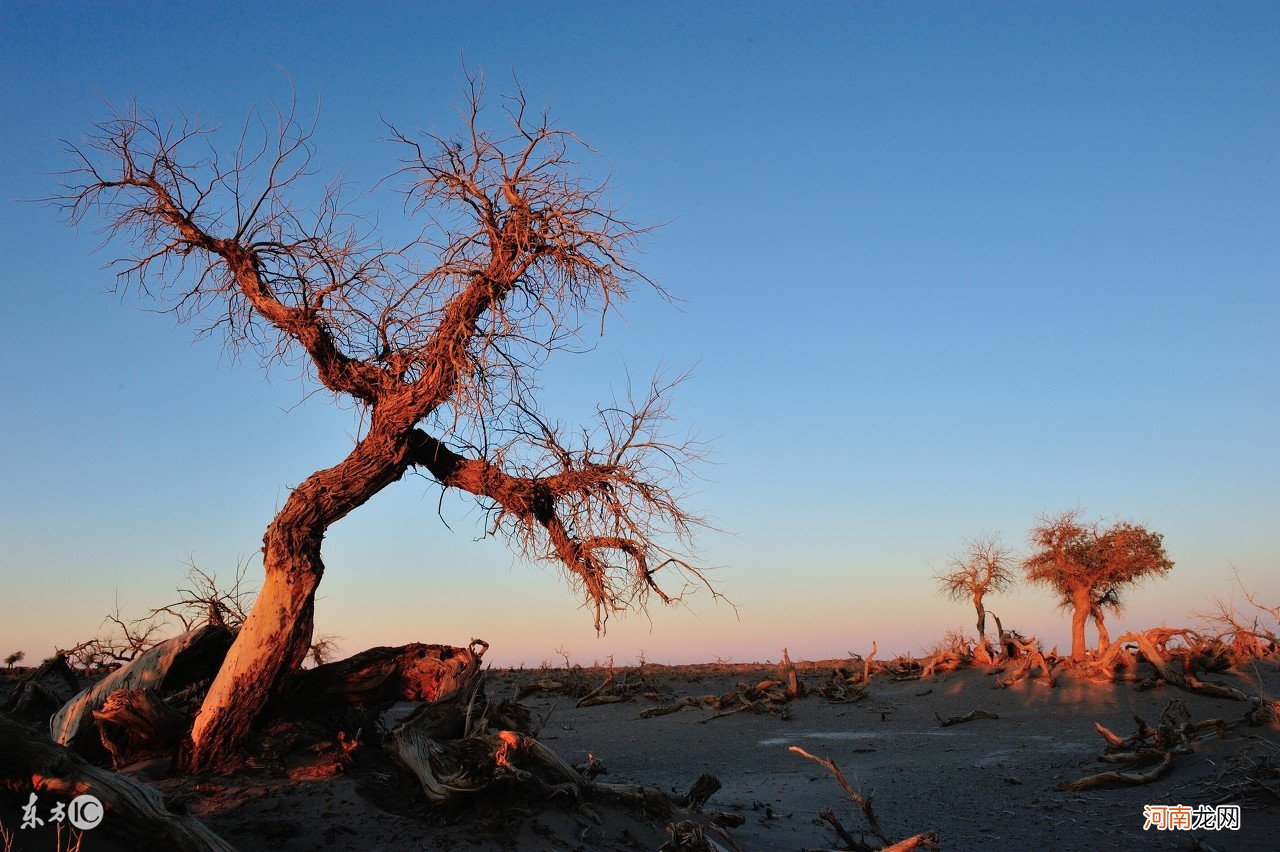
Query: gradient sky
[946, 266]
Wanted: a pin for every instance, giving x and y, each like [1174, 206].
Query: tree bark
[982, 619]
[276, 636]
[1104, 637]
[1081, 607]
[169, 666]
[413, 672]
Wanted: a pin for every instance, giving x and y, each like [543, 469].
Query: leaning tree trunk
[275, 638]
[1082, 606]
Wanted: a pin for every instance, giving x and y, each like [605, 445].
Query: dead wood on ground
[595, 685]
[967, 717]
[171, 666]
[1173, 734]
[459, 750]
[413, 672]
[134, 724]
[689, 836]
[925, 840]
[1029, 657]
[1115, 776]
[770, 696]
[30, 762]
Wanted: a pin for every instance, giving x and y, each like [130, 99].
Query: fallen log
[134, 812]
[172, 665]
[414, 672]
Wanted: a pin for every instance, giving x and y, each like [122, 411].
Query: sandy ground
[988, 784]
[985, 784]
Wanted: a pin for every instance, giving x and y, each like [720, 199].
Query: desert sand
[985, 784]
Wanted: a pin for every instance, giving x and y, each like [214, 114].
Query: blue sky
[944, 267]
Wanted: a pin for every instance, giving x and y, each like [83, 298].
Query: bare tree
[201, 600]
[985, 566]
[1088, 566]
[1248, 635]
[438, 342]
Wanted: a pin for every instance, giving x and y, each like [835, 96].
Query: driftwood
[768, 696]
[135, 813]
[1119, 777]
[413, 672]
[1027, 651]
[925, 840]
[967, 717]
[455, 752]
[1173, 734]
[689, 836]
[581, 684]
[1184, 679]
[172, 665]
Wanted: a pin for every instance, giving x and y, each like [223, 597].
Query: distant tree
[985, 566]
[14, 658]
[1089, 566]
[437, 342]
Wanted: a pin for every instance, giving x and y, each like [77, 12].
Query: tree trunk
[1104, 638]
[276, 636]
[1081, 607]
[982, 619]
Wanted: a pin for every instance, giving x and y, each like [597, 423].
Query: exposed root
[136, 723]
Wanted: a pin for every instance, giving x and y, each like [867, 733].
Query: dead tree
[438, 343]
[985, 566]
[1088, 566]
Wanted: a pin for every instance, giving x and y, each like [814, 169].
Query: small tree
[985, 566]
[1088, 566]
[14, 658]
